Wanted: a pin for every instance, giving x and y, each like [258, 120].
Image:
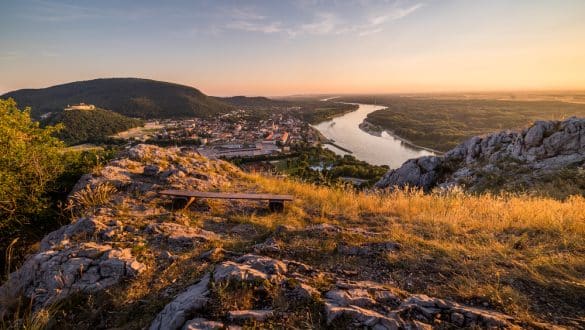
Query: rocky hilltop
[128, 259]
[545, 151]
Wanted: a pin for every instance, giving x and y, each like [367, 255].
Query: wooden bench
[275, 202]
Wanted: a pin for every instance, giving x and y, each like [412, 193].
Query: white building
[80, 106]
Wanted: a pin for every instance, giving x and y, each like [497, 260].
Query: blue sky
[305, 46]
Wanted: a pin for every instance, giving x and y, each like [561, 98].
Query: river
[378, 150]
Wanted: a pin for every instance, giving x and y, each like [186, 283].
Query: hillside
[547, 158]
[309, 109]
[256, 101]
[81, 126]
[132, 97]
[442, 124]
[335, 258]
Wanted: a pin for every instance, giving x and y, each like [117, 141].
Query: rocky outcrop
[54, 274]
[179, 237]
[515, 157]
[178, 312]
[348, 304]
[97, 250]
[133, 245]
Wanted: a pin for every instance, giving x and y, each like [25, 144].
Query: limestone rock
[368, 249]
[460, 315]
[176, 313]
[83, 227]
[151, 170]
[180, 237]
[354, 304]
[520, 157]
[257, 315]
[202, 324]
[422, 172]
[250, 267]
[361, 317]
[52, 275]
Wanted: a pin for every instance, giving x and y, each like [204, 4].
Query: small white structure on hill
[80, 106]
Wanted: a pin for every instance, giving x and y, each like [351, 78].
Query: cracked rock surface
[352, 304]
[53, 274]
[522, 157]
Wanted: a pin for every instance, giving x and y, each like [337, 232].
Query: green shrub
[30, 160]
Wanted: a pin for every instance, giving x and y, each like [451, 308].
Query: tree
[30, 160]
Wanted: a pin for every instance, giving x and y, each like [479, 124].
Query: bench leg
[276, 205]
[182, 203]
[189, 202]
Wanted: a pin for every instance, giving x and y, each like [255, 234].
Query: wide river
[379, 150]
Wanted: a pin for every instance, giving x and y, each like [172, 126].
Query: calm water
[378, 150]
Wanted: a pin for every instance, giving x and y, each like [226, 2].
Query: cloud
[399, 13]
[324, 23]
[313, 17]
[333, 22]
[9, 55]
[246, 14]
[374, 23]
[364, 33]
[249, 26]
[249, 19]
[49, 11]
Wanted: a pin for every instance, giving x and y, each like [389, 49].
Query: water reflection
[379, 150]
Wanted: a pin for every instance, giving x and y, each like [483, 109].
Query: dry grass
[24, 317]
[520, 254]
[90, 197]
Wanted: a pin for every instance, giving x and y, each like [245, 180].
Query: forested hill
[256, 101]
[97, 125]
[131, 97]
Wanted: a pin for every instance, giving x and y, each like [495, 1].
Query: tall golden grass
[454, 208]
[522, 254]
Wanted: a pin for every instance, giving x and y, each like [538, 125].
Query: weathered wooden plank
[204, 194]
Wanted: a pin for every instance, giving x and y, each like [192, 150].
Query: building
[80, 106]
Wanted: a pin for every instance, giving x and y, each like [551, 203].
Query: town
[231, 135]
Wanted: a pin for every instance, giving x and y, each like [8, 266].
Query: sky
[280, 47]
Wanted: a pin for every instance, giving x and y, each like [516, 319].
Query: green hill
[131, 97]
[256, 101]
[82, 126]
[309, 109]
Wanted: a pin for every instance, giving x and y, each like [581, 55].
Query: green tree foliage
[30, 160]
[82, 126]
[308, 109]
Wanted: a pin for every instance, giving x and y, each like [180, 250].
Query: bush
[30, 160]
[90, 197]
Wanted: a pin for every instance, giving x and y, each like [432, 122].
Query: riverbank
[331, 142]
[335, 113]
[378, 150]
[443, 124]
[377, 130]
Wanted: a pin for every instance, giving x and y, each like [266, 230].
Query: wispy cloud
[9, 55]
[364, 33]
[323, 20]
[247, 14]
[399, 13]
[251, 26]
[324, 23]
[52, 11]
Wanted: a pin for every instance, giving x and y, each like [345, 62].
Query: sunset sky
[291, 47]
